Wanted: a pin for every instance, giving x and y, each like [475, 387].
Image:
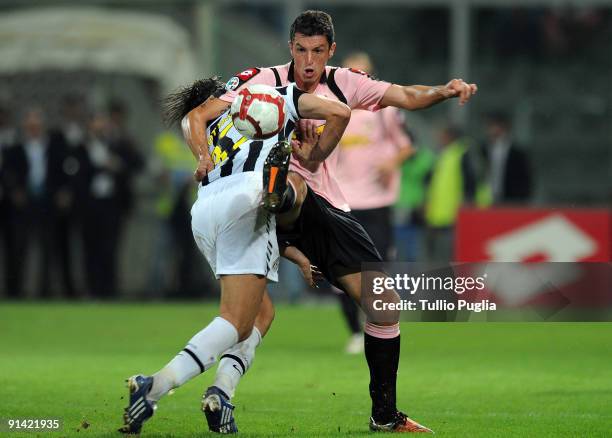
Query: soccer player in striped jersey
[330, 236]
[237, 237]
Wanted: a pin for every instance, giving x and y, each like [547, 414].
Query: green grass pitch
[460, 379]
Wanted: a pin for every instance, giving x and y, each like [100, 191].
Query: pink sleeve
[394, 122]
[264, 76]
[361, 91]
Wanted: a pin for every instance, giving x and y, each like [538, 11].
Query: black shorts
[377, 223]
[332, 239]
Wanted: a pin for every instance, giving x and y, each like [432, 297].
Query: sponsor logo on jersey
[248, 74]
[241, 78]
[232, 84]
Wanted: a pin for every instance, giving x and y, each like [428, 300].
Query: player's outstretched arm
[336, 116]
[415, 97]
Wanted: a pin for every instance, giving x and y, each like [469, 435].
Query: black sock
[383, 359]
[288, 199]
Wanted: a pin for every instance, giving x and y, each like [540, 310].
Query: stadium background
[546, 63]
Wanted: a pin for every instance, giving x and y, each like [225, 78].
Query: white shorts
[234, 233]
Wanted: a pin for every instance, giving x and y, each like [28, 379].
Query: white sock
[200, 354]
[235, 362]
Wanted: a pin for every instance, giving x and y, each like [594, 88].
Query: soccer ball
[258, 112]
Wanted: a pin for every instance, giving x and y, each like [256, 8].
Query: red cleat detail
[410, 425]
[401, 424]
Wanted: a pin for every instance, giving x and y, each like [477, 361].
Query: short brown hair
[311, 23]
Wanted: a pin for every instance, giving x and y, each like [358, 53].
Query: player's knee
[385, 323]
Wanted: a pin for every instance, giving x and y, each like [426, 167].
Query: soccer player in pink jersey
[328, 234]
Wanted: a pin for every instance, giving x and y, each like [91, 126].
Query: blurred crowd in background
[65, 183]
[88, 196]
[67, 192]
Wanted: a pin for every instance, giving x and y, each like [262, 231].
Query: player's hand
[306, 140]
[302, 152]
[205, 165]
[304, 144]
[308, 132]
[310, 272]
[461, 89]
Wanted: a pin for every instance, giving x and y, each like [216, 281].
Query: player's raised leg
[284, 191]
[275, 172]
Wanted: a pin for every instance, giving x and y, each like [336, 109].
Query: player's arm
[415, 97]
[310, 272]
[336, 116]
[194, 125]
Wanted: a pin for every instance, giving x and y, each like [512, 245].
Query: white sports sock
[200, 354]
[235, 362]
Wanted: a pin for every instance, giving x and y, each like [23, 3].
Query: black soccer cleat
[140, 409]
[219, 411]
[276, 168]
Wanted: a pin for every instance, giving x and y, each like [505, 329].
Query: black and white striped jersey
[233, 153]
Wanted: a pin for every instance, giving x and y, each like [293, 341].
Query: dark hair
[311, 23]
[177, 105]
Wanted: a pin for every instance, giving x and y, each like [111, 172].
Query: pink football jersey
[370, 138]
[355, 88]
